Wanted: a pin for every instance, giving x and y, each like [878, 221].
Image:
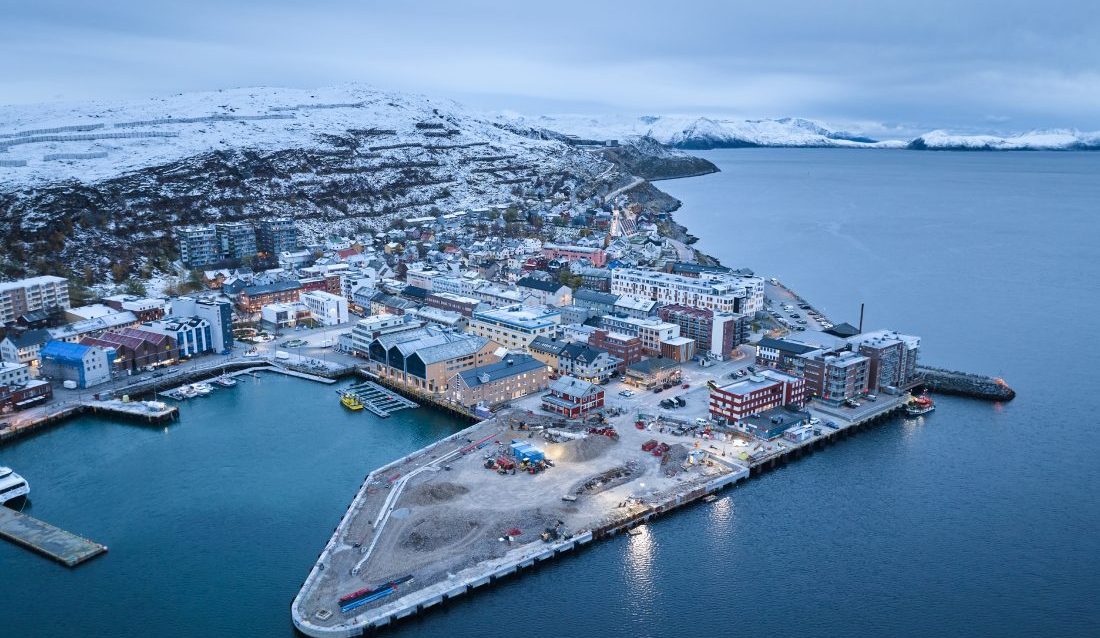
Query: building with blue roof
[85, 365]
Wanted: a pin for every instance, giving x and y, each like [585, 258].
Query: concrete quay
[64, 547]
[440, 516]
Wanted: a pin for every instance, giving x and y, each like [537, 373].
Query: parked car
[626, 393]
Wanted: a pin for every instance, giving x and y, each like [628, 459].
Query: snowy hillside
[98, 188]
[95, 141]
[694, 132]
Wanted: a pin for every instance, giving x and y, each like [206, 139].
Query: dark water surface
[980, 520]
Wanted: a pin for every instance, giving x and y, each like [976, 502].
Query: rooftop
[525, 317]
[507, 367]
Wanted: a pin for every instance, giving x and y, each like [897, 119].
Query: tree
[135, 287]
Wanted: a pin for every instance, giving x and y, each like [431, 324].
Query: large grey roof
[509, 366]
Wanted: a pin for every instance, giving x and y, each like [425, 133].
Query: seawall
[965, 384]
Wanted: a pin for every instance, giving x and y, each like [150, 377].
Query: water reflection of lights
[721, 511]
[641, 548]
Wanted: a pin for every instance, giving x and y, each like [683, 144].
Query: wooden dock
[66, 548]
[379, 400]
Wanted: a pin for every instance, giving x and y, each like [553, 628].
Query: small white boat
[202, 389]
[12, 486]
[226, 381]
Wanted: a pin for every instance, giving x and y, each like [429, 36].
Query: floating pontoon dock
[378, 399]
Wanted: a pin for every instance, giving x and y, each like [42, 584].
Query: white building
[14, 373]
[721, 292]
[515, 326]
[326, 308]
[31, 294]
[651, 332]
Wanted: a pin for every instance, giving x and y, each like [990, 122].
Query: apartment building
[515, 326]
[20, 297]
[722, 292]
[892, 358]
[199, 246]
[835, 377]
[626, 348]
[237, 240]
[277, 236]
[651, 332]
[762, 391]
[715, 333]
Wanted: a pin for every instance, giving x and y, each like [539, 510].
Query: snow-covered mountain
[98, 188]
[1058, 140]
[695, 132]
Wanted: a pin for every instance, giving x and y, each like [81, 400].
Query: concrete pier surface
[66, 548]
[440, 516]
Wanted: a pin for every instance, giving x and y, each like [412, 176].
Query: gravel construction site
[441, 515]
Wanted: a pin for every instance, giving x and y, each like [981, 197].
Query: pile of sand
[580, 450]
[428, 535]
[435, 492]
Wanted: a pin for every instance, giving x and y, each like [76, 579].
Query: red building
[23, 396]
[572, 398]
[763, 391]
[626, 347]
[595, 256]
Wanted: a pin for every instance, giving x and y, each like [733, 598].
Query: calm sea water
[980, 520]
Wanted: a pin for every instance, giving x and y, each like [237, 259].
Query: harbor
[456, 515]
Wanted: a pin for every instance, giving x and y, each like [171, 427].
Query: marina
[375, 398]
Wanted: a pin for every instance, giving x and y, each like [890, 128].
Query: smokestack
[861, 318]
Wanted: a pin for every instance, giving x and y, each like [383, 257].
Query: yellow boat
[350, 402]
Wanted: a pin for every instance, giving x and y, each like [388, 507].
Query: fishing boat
[351, 402]
[920, 405]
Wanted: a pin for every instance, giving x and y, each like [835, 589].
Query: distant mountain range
[694, 132]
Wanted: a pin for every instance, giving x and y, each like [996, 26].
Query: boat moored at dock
[12, 486]
[351, 402]
[917, 406]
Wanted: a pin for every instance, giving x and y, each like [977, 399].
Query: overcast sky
[998, 66]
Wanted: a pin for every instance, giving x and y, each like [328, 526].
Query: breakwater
[965, 384]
